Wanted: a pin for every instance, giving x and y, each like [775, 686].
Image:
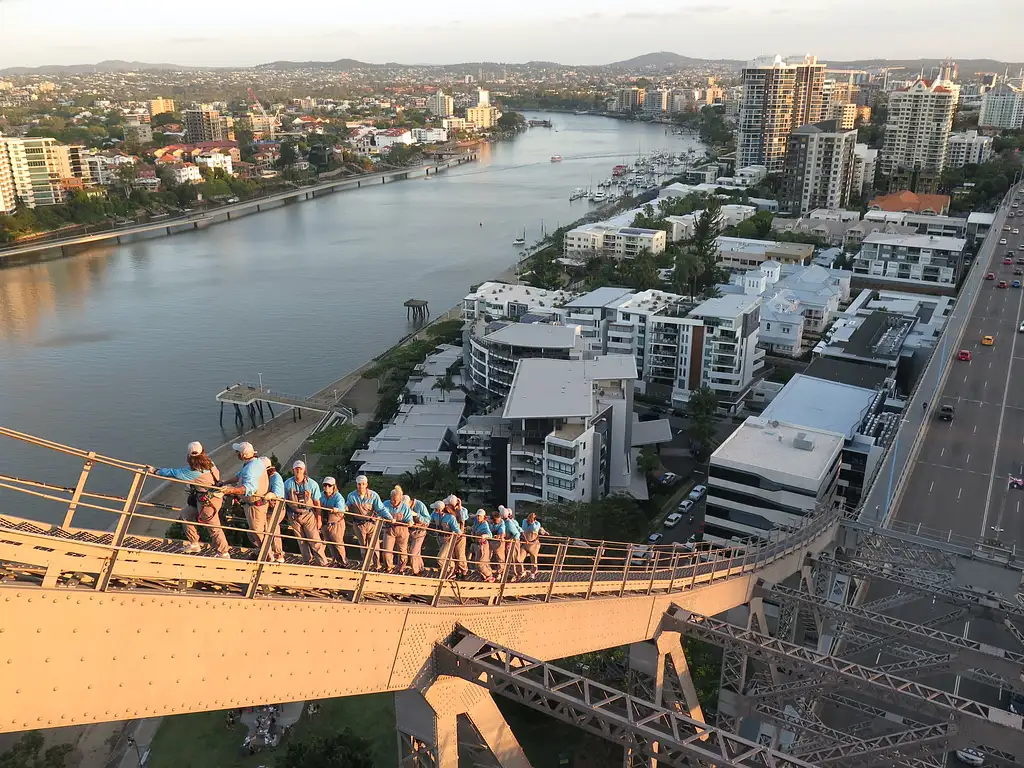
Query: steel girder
[870, 642]
[985, 603]
[966, 653]
[981, 722]
[1014, 630]
[671, 738]
[892, 745]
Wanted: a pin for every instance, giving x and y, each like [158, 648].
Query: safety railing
[371, 560]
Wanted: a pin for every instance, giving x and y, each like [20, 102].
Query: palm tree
[445, 384]
[432, 479]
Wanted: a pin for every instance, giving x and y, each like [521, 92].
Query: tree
[432, 479]
[444, 384]
[126, 174]
[613, 518]
[289, 154]
[26, 753]
[643, 271]
[704, 240]
[687, 269]
[703, 410]
[511, 122]
[340, 750]
[546, 273]
[648, 461]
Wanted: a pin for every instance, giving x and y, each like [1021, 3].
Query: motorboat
[556, 158]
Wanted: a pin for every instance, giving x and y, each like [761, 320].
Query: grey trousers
[312, 548]
[453, 550]
[334, 535]
[396, 547]
[210, 515]
[416, 538]
[256, 516]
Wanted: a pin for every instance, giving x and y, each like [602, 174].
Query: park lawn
[202, 741]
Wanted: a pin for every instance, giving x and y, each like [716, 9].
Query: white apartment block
[610, 240]
[503, 300]
[1003, 108]
[429, 135]
[741, 254]
[682, 226]
[729, 355]
[32, 170]
[968, 148]
[770, 474]
[917, 135]
[657, 101]
[865, 161]
[441, 104]
[186, 173]
[911, 258]
[216, 160]
[819, 167]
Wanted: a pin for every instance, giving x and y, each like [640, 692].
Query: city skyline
[530, 31]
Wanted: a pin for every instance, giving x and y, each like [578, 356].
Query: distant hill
[666, 60]
[112, 65]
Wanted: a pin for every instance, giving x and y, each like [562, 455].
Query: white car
[697, 493]
[673, 520]
[1016, 231]
[1002, 241]
[654, 538]
[685, 507]
[971, 757]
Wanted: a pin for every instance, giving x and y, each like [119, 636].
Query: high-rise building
[33, 171]
[819, 167]
[844, 114]
[207, 124]
[483, 97]
[657, 101]
[917, 135]
[1002, 107]
[968, 148]
[777, 97]
[158, 106]
[441, 104]
[631, 99]
[865, 161]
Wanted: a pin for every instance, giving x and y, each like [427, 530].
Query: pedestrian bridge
[108, 622]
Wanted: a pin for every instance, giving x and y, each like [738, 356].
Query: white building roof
[438, 363]
[773, 446]
[744, 245]
[536, 335]
[729, 306]
[548, 389]
[524, 294]
[827, 405]
[651, 432]
[598, 298]
[918, 241]
[979, 217]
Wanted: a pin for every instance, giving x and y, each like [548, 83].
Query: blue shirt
[276, 484]
[184, 473]
[481, 528]
[390, 512]
[404, 514]
[512, 528]
[421, 513]
[331, 503]
[498, 528]
[355, 502]
[532, 528]
[308, 485]
[249, 475]
[446, 521]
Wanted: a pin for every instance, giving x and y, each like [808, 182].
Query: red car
[1007, 260]
[964, 354]
[1003, 284]
[990, 276]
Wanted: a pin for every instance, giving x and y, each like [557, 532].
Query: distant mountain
[340, 65]
[112, 65]
[666, 60]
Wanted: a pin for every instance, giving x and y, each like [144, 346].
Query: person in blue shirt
[395, 536]
[333, 509]
[498, 542]
[303, 496]
[364, 505]
[452, 552]
[532, 531]
[275, 498]
[203, 505]
[480, 531]
[421, 518]
[251, 484]
[513, 543]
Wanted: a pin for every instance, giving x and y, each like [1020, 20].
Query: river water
[121, 350]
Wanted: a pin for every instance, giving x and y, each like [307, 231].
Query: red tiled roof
[909, 201]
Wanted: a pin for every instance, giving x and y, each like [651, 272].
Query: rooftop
[802, 454]
[534, 335]
[846, 372]
[598, 298]
[911, 202]
[729, 306]
[932, 242]
[549, 389]
[524, 294]
[822, 404]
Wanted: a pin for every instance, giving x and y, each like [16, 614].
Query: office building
[777, 97]
[865, 162]
[818, 171]
[611, 240]
[770, 474]
[159, 106]
[1002, 108]
[911, 258]
[207, 124]
[968, 148]
[917, 136]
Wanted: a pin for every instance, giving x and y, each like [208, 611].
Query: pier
[417, 310]
[253, 397]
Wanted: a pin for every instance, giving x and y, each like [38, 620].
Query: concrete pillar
[428, 729]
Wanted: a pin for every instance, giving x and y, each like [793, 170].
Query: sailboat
[520, 240]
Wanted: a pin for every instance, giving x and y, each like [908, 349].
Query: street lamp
[133, 743]
[892, 466]
[261, 381]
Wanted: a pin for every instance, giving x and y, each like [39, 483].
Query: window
[557, 482]
[561, 467]
[561, 451]
[767, 326]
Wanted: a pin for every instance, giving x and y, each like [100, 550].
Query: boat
[599, 197]
[556, 158]
[577, 193]
[520, 240]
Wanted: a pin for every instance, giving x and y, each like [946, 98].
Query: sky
[201, 33]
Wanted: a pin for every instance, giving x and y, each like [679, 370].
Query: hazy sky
[199, 32]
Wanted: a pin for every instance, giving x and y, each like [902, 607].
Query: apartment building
[207, 124]
[968, 148]
[911, 258]
[482, 117]
[730, 357]
[865, 162]
[1002, 108]
[504, 300]
[159, 106]
[657, 101]
[441, 104]
[429, 135]
[818, 170]
[630, 99]
[34, 171]
[917, 135]
[592, 312]
[610, 240]
[777, 97]
[767, 475]
[741, 253]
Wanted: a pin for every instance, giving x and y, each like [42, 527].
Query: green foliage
[432, 479]
[710, 124]
[705, 662]
[649, 461]
[703, 410]
[546, 272]
[643, 271]
[28, 753]
[289, 154]
[758, 226]
[613, 518]
[336, 445]
[341, 750]
[991, 181]
[511, 122]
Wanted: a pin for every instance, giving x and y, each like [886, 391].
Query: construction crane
[258, 108]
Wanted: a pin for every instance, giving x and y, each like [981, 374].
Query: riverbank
[42, 249]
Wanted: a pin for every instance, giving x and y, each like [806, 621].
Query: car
[1020, 247]
[673, 520]
[1016, 231]
[987, 341]
[1018, 271]
[1016, 283]
[1021, 328]
[946, 412]
[1017, 703]
[971, 757]
[668, 478]
[1002, 241]
[654, 538]
[685, 507]
[990, 276]
[1006, 228]
[1003, 284]
[1020, 261]
[1016, 483]
[1007, 260]
[697, 493]
[965, 354]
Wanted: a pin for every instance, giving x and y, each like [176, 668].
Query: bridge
[109, 620]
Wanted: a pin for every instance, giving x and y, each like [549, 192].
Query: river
[122, 349]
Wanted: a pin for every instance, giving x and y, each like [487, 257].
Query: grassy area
[202, 740]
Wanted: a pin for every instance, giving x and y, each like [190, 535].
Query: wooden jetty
[253, 397]
[417, 310]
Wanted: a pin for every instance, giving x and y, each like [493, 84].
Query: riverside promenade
[59, 247]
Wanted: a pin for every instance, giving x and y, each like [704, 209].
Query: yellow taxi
[987, 341]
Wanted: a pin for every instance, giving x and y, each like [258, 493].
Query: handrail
[564, 567]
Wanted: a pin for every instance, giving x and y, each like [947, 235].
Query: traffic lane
[966, 441]
[1005, 507]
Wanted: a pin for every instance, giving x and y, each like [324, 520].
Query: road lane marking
[942, 453]
[968, 458]
[956, 685]
[958, 493]
[1002, 414]
[931, 486]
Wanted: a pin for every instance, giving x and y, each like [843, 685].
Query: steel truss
[673, 739]
[978, 722]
